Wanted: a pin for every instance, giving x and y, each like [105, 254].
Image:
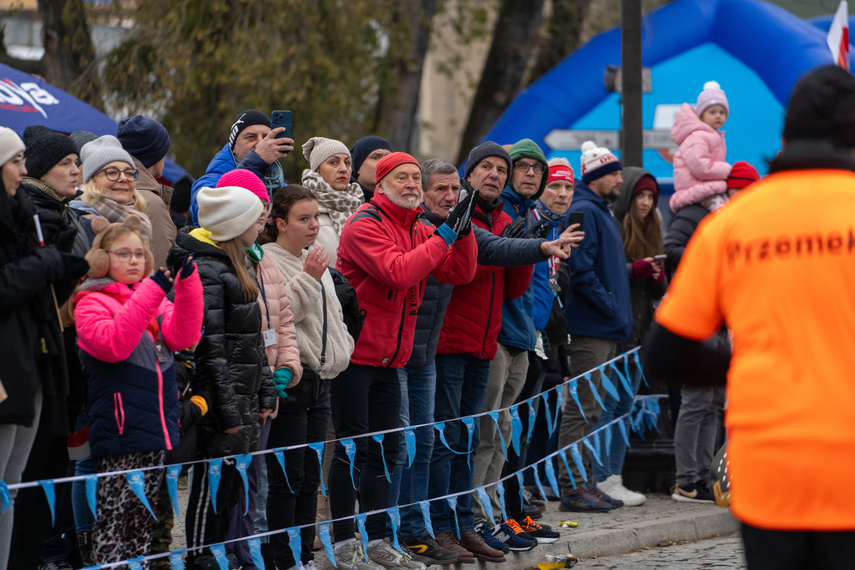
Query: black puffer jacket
[231, 365]
[682, 227]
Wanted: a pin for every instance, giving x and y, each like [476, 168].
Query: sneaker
[529, 498]
[448, 541]
[310, 565]
[428, 549]
[351, 557]
[537, 532]
[584, 502]
[387, 556]
[613, 487]
[696, 492]
[472, 541]
[486, 534]
[597, 492]
[513, 536]
[532, 511]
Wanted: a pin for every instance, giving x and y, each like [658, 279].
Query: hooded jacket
[231, 364]
[276, 315]
[600, 304]
[700, 170]
[156, 197]
[518, 328]
[224, 161]
[543, 296]
[133, 399]
[645, 291]
[474, 314]
[387, 253]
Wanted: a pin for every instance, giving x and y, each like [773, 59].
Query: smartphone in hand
[576, 218]
[282, 119]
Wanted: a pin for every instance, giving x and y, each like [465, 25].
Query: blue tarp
[27, 100]
[755, 50]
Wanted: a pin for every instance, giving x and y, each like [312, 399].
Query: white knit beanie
[10, 144]
[99, 153]
[318, 149]
[227, 212]
[597, 162]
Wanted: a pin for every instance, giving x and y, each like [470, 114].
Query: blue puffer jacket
[600, 305]
[517, 324]
[224, 161]
[492, 250]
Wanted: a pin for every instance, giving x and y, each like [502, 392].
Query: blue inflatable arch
[755, 50]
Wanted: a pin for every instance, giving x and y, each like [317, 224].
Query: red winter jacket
[474, 315]
[387, 252]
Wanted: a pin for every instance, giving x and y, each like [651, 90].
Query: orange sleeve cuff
[201, 402]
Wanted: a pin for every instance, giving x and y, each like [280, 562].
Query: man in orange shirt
[777, 266]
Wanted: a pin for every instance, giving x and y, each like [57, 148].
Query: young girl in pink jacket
[127, 331]
[700, 169]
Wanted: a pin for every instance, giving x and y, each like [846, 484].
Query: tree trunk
[397, 110]
[510, 51]
[69, 59]
[562, 35]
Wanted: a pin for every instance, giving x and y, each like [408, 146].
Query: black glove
[562, 274]
[460, 217]
[187, 267]
[75, 267]
[538, 230]
[64, 240]
[515, 229]
[163, 281]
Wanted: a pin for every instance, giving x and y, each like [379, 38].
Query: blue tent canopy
[755, 50]
[27, 100]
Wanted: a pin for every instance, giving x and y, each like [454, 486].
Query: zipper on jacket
[119, 412]
[404, 306]
[489, 312]
[160, 402]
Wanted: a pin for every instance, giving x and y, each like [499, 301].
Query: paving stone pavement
[723, 553]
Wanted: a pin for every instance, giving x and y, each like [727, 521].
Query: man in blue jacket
[252, 145]
[599, 314]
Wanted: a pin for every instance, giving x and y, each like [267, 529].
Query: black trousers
[364, 399]
[805, 550]
[303, 418]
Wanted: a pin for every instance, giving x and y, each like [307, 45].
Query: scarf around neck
[337, 205]
[118, 213]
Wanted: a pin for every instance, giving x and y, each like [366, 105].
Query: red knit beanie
[646, 183]
[741, 175]
[392, 161]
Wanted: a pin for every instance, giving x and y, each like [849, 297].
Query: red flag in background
[838, 36]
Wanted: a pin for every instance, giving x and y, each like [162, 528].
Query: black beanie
[80, 138]
[363, 147]
[45, 149]
[145, 139]
[822, 106]
[481, 152]
[246, 119]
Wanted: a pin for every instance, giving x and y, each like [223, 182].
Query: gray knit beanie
[101, 152]
[318, 149]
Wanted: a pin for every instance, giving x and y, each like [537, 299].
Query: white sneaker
[385, 554]
[613, 487]
[310, 565]
[350, 557]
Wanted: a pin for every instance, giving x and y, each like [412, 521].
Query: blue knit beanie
[144, 138]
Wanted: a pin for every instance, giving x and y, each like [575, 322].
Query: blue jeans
[410, 484]
[461, 388]
[613, 460]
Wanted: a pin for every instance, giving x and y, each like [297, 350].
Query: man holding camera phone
[252, 145]
[599, 314]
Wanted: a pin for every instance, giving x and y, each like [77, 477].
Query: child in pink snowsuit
[700, 169]
[127, 331]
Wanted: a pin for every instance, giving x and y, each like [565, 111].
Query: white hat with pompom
[597, 162]
[711, 95]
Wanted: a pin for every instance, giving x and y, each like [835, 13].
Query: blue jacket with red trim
[387, 253]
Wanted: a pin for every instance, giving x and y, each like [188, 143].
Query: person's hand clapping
[316, 262]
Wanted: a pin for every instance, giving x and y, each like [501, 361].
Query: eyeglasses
[19, 161]
[524, 166]
[126, 254]
[114, 173]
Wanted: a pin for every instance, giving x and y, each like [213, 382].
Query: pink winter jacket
[286, 353]
[112, 335]
[700, 169]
